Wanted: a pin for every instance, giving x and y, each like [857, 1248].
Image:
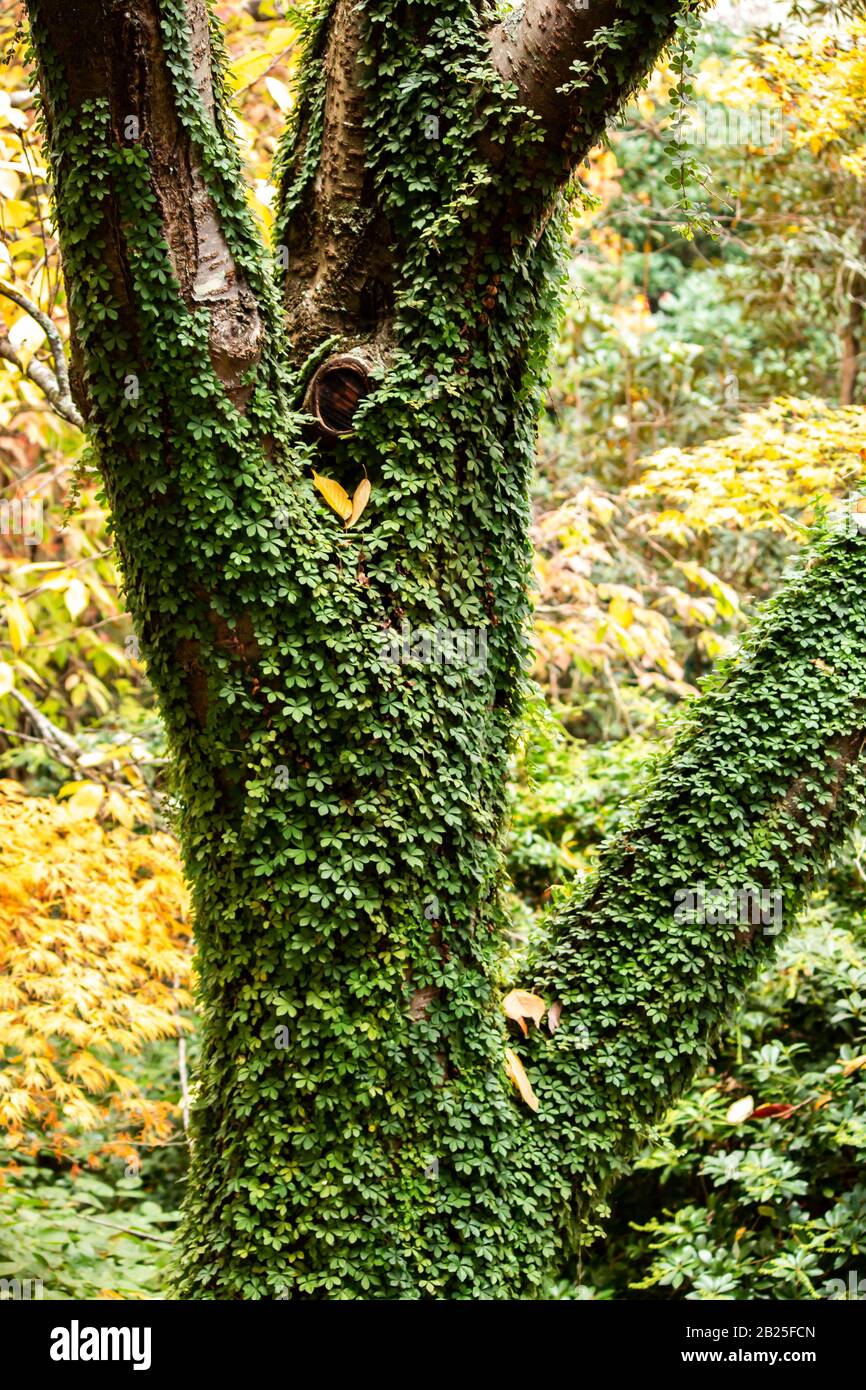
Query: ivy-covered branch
[177, 333]
[573, 63]
[739, 819]
[132, 93]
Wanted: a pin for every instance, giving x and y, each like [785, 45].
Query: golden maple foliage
[768, 475]
[94, 921]
[94, 963]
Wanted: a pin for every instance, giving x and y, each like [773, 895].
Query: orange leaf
[520, 1004]
[515, 1073]
[360, 500]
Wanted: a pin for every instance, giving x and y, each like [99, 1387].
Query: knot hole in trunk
[336, 390]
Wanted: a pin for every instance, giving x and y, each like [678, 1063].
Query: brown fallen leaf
[520, 1005]
[516, 1074]
[554, 1013]
[359, 500]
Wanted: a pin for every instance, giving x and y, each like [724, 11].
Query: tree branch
[115, 53]
[53, 385]
[574, 64]
[338, 261]
[175, 321]
[762, 782]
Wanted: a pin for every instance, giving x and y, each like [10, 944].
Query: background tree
[340, 813]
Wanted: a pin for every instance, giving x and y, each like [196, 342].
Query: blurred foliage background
[706, 406]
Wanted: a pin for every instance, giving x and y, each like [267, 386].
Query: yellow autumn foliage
[817, 81]
[94, 963]
[782, 460]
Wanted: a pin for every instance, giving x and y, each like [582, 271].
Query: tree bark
[342, 700]
[852, 333]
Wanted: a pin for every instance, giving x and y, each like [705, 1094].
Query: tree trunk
[340, 752]
[852, 332]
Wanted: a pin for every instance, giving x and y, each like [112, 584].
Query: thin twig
[55, 385]
[126, 1230]
[52, 735]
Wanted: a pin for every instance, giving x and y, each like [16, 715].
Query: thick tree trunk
[339, 810]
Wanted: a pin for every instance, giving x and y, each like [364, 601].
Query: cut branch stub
[336, 391]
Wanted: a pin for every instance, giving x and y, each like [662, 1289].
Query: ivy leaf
[335, 495]
[359, 500]
[516, 1074]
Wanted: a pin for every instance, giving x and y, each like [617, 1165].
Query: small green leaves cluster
[686, 173]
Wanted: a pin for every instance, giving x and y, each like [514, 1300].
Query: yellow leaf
[248, 69]
[621, 611]
[515, 1073]
[25, 332]
[601, 507]
[520, 1004]
[740, 1111]
[69, 788]
[335, 496]
[119, 809]
[360, 500]
[17, 213]
[7, 678]
[76, 598]
[20, 626]
[279, 92]
[84, 803]
[853, 1064]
